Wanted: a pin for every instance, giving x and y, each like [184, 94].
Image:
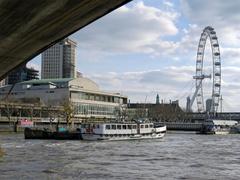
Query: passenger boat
[213, 126]
[121, 131]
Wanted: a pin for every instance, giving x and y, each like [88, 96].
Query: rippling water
[176, 156]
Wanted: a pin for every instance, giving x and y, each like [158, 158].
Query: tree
[8, 110]
[68, 109]
[1, 152]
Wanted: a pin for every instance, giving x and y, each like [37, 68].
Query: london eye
[208, 33]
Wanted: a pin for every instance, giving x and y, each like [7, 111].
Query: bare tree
[8, 110]
[1, 152]
[68, 111]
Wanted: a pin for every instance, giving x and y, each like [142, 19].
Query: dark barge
[35, 133]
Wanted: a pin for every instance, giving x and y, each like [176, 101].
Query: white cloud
[136, 28]
[211, 12]
[168, 3]
[231, 56]
[223, 15]
[34, 65]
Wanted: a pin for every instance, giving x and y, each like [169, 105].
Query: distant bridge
[195, 120]
[223, 115]
[28, 27]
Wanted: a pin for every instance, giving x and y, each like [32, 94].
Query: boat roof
[116, 123]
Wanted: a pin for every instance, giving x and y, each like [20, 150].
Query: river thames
[176, 156]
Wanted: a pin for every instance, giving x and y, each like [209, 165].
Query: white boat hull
[94, 137]
[222, 132]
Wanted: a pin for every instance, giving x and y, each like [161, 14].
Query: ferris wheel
[208, 33]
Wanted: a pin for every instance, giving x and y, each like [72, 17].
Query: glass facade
[95, 97]
[23, 73]
[98, 105]
[94, 109]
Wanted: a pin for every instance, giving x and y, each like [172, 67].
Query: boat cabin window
[124, 126]
[134, 127]
[119, 127]
[86, 125]
[107, 126]
[142, 126]
[113, 126]
[146, 126]
[129, 126]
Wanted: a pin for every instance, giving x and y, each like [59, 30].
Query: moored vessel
[215, 126]
[37, 133]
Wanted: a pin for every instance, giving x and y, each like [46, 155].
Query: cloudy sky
[149, 47]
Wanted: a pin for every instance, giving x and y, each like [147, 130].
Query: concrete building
[84, 94]
[157, 112]
[23, 73]
[59, 60]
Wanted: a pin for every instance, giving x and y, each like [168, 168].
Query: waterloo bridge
[29, 27]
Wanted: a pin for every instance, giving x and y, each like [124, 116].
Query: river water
[176, 156]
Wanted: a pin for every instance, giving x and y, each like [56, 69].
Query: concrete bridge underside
[28, 27]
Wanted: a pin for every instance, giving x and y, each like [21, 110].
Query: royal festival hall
[84, 94]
